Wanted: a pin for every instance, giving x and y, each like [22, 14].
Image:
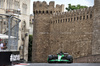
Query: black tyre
[54, 57]
[50, 58]
[70, 58]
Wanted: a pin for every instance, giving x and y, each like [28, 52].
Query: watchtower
[42, 17]
[96, 28]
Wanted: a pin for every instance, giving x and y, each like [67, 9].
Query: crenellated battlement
[44, 8]
[73, 15]
[79, 11]
[58, 14]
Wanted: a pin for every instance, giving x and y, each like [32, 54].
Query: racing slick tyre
[49, 58]
[70, 58]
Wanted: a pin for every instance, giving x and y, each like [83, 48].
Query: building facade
[76, 32]
[21, 10]
[31, 24]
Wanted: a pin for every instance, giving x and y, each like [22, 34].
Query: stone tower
[42, 17]
[96, 28]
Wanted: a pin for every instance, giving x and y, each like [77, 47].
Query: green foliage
[30, 48]
[73, 7]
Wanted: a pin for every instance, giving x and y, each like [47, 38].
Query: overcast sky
[66, 2]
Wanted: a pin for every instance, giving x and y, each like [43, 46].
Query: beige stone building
[21, 10]
[31, 24]
[76, 32]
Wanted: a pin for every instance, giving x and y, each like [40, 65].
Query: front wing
[56, 60]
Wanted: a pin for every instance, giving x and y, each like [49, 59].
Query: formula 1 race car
[60, 57]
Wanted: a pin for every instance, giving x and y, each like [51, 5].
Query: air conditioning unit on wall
[12, 11]
[9, 10]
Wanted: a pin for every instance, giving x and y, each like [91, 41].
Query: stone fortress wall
[72, 32]
[56, 30]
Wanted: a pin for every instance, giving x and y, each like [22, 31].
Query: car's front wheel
[70, 58]
[49, 58]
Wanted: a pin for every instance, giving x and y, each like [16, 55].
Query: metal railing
[10, 29]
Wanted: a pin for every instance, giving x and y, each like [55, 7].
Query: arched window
[43, 12]
[39, 11]
[66, 20]
[24, 10]
[83, 17]
[23, 25]
[77, 18]
[50, 12]
[87, 16]
[16, 5]
[90, 15]
[4, 22]
[74, 18]
[80, 17]
[56, 21]
[36, 12]
[9, 4]
[47, 12]
[61, 20]
[1, 3]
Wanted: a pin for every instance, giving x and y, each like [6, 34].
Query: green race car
[60, 57]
